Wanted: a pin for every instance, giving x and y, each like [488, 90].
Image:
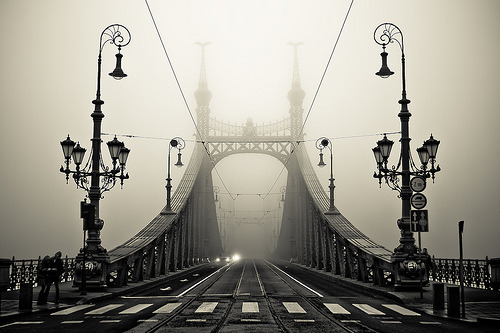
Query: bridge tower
[296, 97]
[203, 97]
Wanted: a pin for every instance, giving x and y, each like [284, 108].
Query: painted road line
[72, 309]
[196, 320]
[430, 323]
[167, 308]
[399, 309]
[135, 309]
[350, 321]
[293, 307]
[147, 320]
[104, 309]
[206, 307]
[390, 322]
[23, 323]
[250, 307]
[294, 279]
[304, 320]
[369, 310]
[109, 321]
[336, 308]
[198, 283]
[250, 320]
[72, 322]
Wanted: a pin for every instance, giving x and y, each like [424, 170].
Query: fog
[48, 80]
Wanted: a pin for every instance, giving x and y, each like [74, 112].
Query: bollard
[26, 296]
[453, 301]
[438, 296]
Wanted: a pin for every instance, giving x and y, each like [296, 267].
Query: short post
[453, 301]
[438, 296]
[26, 296]
[462, 292]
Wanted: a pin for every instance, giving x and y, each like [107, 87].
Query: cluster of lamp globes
[117, 150]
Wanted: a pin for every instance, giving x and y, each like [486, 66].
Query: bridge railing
[477, 272]
[26, 271]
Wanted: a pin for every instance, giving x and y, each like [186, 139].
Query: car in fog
[226, 258]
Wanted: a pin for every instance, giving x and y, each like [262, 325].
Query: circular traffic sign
[417, 184]
[418, 201]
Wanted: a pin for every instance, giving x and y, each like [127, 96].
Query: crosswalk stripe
[336, 308]
[250, 307]
[293, 307]
[72, 309]
[399, 309]
[110, 321]
[369, 310]
[104, 309]
[167, 308]
[206, 307]
[135, 309]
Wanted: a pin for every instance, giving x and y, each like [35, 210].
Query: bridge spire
[296, 95]
[203, 95]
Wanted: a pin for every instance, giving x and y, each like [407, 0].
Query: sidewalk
[481, 305]
[69, 295]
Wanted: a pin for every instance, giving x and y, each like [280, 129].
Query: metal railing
[26, 271]
[477, 272]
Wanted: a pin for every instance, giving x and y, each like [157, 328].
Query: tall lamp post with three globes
[405, 256]
[90, 270]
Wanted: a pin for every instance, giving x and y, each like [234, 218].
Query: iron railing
[26, 271]
[477, 272]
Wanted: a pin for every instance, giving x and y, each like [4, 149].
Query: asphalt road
[245, 295]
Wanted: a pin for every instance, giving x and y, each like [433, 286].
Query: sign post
[462, 294]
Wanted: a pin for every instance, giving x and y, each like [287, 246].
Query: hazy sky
[48, 80]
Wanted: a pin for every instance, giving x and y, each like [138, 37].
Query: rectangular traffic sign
[419, 220]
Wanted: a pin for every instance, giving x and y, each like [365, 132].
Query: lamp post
[102, 178]
[404, 255]
[321, 144]
[179, 144]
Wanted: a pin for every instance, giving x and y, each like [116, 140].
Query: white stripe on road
[430, 323]
[72, 322]
[135, 309]
[206, 307]
[390, 322]
[71, 310]
[293, 307]
[199, 282]
[369, 310]
[250, 307]
[336, 308]
[399, 309]
[110, 321]
[196, 320]
[104, 309]
[22, 323]
[167, 308]
[294, 279]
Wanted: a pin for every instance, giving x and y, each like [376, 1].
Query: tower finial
[202, 94]
[296, 75]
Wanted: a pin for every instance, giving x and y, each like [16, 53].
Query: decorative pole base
[95, 268]
[407, 267]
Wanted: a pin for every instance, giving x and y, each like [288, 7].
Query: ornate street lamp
[179, 144]
[384, 34]
[102, 178]
[321, 144]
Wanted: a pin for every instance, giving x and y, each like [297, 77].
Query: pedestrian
[42, 280]
[56, 268]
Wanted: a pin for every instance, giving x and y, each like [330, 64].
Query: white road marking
[72, 322]
[390, 322]
[147, 320]
[196, 320]
[369, 310]
[336, 308]
[165, 289]
[135, 309]
[399, 309]
[206, 307]
[184, 280]
[350, 321]
[294, 279]
[430, 323]
[251, 320]
[198, 283]
[72, 309]
[167, 308]
[304, 320]
[23, 323]
[294, 307]
[110, 321]
[250, 307]
[104, 309]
